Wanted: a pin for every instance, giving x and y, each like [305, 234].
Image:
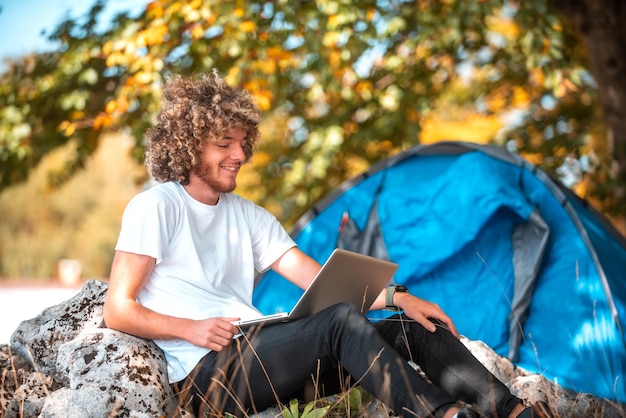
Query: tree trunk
[602, 26]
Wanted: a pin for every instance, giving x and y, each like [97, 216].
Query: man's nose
[238, 153]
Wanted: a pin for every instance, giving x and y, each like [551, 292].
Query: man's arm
[300, 269]
[418, 309]
[297, 267]
[129, 274]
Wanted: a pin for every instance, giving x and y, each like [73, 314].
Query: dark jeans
[274, 363]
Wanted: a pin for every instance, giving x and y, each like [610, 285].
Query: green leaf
[355, 399]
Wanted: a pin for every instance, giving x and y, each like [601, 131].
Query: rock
[105, 370]
[533, 388]
[82, 368]
[39, 339]
[500, 367]
[65, 363]
[14, 370]
[30, 395]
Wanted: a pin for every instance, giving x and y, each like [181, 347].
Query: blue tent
[515, 258]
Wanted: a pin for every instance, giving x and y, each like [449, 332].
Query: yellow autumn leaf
[140, 39]
[520, 97]
[247, 26]
[364, 86]
[334, 58]
[504, 26]
[208, 16]
[191, 15]
[264, 103]
[497, 99]
[385, 145]
[537, 77]
[277, 53]
[267, 66]
[155, 9]
[233, 75]
[143, 77]
[422, 51]
[330, 39]
[69, 129]
[533, 158]
[77, 114]
[565, 87]
[122, 104]
[473, 128]
[197, 32]
[155, 34]
[263, 99]
[63, 125]
[261, 159]
[110, 106]
[333, 21]
[364, 89]
[173, 8]
[582, 188]
[116, 58]
[102, 121]
[156, 63]
[107, 47]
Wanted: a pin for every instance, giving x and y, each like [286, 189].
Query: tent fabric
[528, 245]
[515, 258]
[369, 241]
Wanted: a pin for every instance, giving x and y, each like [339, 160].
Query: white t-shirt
[206, 258]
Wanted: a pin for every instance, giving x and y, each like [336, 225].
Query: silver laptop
[345, 277]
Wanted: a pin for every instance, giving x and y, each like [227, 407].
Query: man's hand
[129, 274]
[212, 333]
[422, 311]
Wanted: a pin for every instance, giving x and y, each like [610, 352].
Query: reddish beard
[207, 175]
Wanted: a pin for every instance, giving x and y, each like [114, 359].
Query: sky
[22, 21]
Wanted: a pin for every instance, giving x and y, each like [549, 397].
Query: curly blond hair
[195, 112]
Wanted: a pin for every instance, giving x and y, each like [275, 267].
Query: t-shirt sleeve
[269, 239]
[147, 225]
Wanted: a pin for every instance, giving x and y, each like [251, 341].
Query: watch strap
[390, 292]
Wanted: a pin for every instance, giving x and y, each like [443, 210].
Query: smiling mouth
[230, 168]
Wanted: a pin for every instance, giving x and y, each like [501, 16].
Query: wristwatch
[391, 290]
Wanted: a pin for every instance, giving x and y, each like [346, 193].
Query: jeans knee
[346, 315]
[413, 330]
[346, 308]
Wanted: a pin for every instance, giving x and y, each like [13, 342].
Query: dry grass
[350, 402]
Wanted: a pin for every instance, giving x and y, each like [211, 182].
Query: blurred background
[342, 85]
[35, 243]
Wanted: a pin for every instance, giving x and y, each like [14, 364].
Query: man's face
[221, 161]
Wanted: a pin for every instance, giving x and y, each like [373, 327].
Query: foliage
[343, 84]
[346, 404]
[351, 402]
[79, 220]
[308, 412]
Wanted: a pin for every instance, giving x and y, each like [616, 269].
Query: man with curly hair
[183, 272]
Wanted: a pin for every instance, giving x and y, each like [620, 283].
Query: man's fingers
[426, 323]
[448, 322]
